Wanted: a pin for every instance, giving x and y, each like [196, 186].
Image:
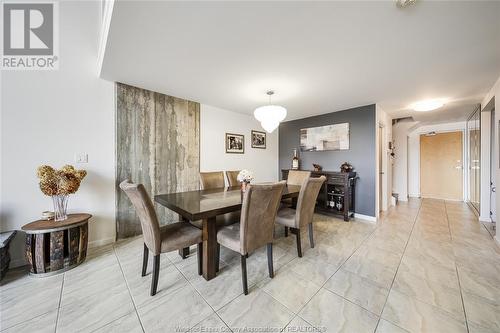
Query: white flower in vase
[245, 176]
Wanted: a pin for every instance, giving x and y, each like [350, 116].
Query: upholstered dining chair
[159, 239]
[302, 216]
[256, 227]
[232, 177]
[210, 180]
[295, 177]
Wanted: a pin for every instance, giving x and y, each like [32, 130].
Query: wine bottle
[295, 160]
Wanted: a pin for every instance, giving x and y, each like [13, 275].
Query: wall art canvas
[329, 137]
[235, 143]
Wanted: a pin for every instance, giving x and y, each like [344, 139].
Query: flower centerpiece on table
[59, 184]
[245, 177]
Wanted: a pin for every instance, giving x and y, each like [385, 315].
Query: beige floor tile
[300, 325]
[210, 324]
[179, 310]
[415, 316]
[337, 314]
[45, 323]
[387, 327]
[430, 292]
[316, 271]
[480, 285]
[482, 312]
[291, 289]
[255, 311]
[358, 290]
[30, 300]
[372, 270]
[128, 323]
[424, 269]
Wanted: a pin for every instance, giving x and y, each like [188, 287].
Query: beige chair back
[232, 177]
[146, 212]
[212, 180]
[296, 177]
[309, 191]
[258, 212]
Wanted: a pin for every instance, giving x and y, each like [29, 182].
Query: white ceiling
[319, 57]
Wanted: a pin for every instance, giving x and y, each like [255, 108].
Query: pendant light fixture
[270, 115]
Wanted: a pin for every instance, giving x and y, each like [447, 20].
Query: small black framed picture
[259, 139]
[235, 143]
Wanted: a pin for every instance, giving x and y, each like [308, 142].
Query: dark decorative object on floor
[5, 238]
[317, 167]
[346, 167]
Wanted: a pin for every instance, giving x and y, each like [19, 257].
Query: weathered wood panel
[158, 146]
[73, 245]
[56, 250]
[84, 234]
[30, 247]
[40, 253]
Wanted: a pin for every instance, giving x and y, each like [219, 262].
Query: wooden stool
[55, 247]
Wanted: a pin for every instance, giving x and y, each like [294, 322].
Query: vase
[60, 205]
[244, 186]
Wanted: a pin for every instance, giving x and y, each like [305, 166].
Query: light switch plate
[81, 158]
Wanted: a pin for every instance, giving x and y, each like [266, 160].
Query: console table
[338, 186]
[55, 247]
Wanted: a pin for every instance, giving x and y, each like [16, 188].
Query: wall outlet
[81, 158]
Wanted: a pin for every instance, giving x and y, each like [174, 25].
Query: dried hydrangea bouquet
[59, 184]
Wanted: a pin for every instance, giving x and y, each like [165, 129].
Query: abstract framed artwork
[235, 143]
[259, 139]
[329, 137]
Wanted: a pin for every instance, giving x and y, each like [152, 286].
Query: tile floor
[427, 266]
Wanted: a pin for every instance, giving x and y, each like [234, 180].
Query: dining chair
[295, 177]
[210, 180]
[256, 227]
[158, 239]
[303, 215]
[232, 177]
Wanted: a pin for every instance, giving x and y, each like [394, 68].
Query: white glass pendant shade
[269, 125]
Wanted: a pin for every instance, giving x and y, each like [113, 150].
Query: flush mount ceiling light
[270, 115]
[428, 105]
[404, 3]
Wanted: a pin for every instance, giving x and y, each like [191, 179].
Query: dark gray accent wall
[362, 152]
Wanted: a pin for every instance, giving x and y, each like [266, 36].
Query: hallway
[427, 266]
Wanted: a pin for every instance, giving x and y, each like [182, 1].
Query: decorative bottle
[295, 160]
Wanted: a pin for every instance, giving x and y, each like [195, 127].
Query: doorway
[441, 168]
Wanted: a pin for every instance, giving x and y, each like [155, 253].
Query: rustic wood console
[55, 247]
[337, 194]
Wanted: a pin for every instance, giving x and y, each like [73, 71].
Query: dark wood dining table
[206, 205]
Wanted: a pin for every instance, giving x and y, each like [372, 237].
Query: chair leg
[217, 260]
[270, 259]
[286, 231]
[244, 274]
[184, 252]
[200, 258]
[299, 246]
[156, 273]
[145, 260]
[311, 235]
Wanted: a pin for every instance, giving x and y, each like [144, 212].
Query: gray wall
[362, 152]
[158, 145]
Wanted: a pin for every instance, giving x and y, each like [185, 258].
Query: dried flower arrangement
[59, 184]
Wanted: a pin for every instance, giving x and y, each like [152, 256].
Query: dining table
[206, 205]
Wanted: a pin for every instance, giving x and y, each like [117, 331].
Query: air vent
[404, 3]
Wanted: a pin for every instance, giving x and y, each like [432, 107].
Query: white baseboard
[365, 217]
[484, 219]
[101, 242]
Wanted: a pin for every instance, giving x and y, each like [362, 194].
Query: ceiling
[319, 57]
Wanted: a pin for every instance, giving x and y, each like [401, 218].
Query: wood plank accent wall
[157, 144]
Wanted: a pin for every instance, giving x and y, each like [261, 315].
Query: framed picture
[329, 137]
[235, 143]
[258, 139]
